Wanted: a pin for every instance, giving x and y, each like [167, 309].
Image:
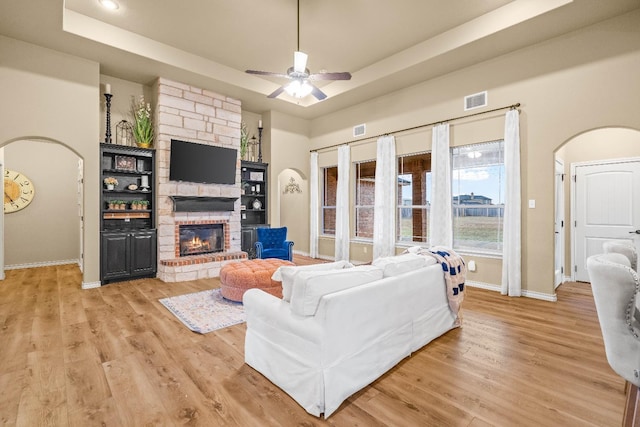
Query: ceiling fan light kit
[299, 74]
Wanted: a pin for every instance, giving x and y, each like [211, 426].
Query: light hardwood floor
[114, 356]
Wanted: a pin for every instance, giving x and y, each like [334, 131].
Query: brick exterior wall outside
[194, 115]
[365, 196]
[329, 199]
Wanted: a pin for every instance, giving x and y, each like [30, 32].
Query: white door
[559, 224]
[607, 207]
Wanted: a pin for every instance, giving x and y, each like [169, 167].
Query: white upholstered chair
[615, 289]
[626, 249]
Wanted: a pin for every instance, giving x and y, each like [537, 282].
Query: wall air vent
[476, 100]
[359, 130]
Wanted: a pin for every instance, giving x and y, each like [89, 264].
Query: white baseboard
[525, 293]
[91, 285]
[41, 264]
[301, 253]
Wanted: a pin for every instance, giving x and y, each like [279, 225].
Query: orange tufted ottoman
[238, 277]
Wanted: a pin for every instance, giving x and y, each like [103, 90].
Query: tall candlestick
[260, 141]
[107, 137]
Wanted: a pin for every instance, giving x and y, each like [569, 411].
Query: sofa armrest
[270, 316]
[259, 248]
[288, 245]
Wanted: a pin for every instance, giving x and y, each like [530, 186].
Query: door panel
[607, 208]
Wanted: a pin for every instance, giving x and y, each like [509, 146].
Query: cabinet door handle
[635, 232]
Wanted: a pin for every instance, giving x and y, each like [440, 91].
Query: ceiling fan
[300, 78]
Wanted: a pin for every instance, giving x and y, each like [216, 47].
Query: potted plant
[112, 204]
[142, 122]
[122, 205]
[110, 182]
[135, 205]
[244, 141]
[144, 204]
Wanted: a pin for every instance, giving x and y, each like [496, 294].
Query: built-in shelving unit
[127, 219]
[254, 202]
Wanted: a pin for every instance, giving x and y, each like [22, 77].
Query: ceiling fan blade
[320, 95]
[267, 73]
[330, 76]
[276, 92]
[299, 61]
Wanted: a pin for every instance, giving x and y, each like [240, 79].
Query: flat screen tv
[201, 163]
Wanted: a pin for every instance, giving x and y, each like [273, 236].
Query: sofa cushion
[396, 265]
[310, 286]
[286, 274]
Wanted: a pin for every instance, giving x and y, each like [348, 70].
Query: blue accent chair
[273, 243]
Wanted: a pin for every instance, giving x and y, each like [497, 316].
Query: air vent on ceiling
[476, 100]
[359, 130]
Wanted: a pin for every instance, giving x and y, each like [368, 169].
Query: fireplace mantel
[202, 204]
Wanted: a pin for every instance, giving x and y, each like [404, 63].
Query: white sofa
[343, 328]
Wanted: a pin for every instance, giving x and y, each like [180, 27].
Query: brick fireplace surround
[190, 114]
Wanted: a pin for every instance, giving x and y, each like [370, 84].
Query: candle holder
[260, 144]
[107, 136]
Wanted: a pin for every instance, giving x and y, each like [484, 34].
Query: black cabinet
[254, 202]
[127, 255]
[127, 213]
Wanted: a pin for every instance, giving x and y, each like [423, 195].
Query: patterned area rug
[205, 311]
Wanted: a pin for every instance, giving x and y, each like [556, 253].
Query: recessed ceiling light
[109, 4]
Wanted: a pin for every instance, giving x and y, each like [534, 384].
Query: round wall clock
[18, 191]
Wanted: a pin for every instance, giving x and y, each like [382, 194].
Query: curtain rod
[511, 107]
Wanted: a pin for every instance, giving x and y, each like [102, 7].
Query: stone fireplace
[198, 224]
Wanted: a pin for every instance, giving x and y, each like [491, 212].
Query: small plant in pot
[110, 182]
[114, 204]
[122, 205]
[144, 204]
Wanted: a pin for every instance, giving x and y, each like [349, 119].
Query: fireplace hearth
[198, 239]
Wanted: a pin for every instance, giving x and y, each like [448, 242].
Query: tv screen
[201, 163]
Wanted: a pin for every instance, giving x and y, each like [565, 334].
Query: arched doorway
[49, 230]
[593, 147]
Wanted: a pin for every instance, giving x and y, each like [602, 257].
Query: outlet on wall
[365, 249]
[471, 265]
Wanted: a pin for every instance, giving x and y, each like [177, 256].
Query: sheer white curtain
[342, 204]
[511, 246]
[384, 218]
[440, 219]
[314, 185]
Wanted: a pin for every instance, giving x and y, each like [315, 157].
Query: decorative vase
[110, 186]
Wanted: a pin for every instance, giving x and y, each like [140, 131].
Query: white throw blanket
[455, 273]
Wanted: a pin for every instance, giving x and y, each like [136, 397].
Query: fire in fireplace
[201, 239]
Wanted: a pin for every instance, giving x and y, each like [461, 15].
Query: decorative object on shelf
[292, 187]
[132, 187]
[142, 122]
[256, 176]
[260, 141]
[18, 191]
[144, 183]
[110, 182]
[141, 165]
[244, 141]
[124, 133]
[107, 97]
[125, 163]
[112, 204]
[253, 149]
[257, 204]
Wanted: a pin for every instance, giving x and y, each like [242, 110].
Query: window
[414, 195]
[329, 190]
[478, 196]
[365, 195]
